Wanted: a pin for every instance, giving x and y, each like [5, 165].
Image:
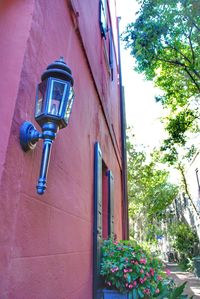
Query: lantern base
[29, 136]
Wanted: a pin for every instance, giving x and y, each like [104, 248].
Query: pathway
[179, 276]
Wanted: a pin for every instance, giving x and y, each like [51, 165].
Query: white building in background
[191, 208]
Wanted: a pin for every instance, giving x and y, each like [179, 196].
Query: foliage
[165, 42]
[184, 240]
[149, 191]
[126, 267]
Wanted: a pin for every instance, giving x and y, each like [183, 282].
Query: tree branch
[192, 78]
[174, 62]
[191, 46]
[178, 51]
[185, 67]
[196, 26]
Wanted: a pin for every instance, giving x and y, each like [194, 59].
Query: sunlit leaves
[149, 191]
[165, 41]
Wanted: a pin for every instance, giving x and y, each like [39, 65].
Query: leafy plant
[126, 267]
[149, 192]
[164, 40]
[184, 239]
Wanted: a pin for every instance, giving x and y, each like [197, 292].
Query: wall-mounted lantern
[53, 107]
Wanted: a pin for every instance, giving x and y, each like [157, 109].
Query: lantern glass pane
[69, 104]
[57, 95]
[41, 92]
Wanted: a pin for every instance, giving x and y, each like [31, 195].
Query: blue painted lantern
[55, 95]
[54, 100]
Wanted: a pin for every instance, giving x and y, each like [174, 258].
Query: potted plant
[129, 272]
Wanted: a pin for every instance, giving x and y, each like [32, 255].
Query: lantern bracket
[29, 136]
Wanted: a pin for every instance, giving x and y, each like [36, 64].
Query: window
[104, 201]
[103, 17]
[185, 200]
[103, 212]
[110, 204]
[197, 177]
[111, 53]
[107, 34]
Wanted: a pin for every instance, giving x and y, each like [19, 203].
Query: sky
[142, 112]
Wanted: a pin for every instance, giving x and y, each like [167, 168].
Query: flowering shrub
[126, 267]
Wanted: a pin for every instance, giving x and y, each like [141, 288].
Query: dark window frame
[103, 17]
[101, 172]
[107, 34]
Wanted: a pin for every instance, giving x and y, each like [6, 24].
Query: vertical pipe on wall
[123, 136]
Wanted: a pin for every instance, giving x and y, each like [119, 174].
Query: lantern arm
[49, 134]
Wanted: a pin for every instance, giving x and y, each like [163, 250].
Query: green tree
[149, 190]
[185, 241]
[165, 41]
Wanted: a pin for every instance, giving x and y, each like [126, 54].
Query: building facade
[191, 204]
[49, 244]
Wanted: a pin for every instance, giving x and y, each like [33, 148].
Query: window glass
[41, 93]
[103, 17]
[56, 94]
[69, 104]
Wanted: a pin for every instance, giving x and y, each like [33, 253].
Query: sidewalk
[193, 283]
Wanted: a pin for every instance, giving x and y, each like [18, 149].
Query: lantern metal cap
[58, 69]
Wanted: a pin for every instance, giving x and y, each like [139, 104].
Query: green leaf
[134, 294]
[178, 291]
[164, 40]
[128, 277]
[140, 293]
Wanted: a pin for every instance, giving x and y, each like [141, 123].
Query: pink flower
[157, 291]
[143, 261]
[147, 274]
[109, 283]
[168, 272]
[126, 270]
[152, 271]
[141, 271]
[141, 280]
[146, 291]
[159, 277]
[132, 262]
[130, 286]
[136, 262]
[134, 283]
[130, 270]
[125, 275]
[126, 284]
[114, 269]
